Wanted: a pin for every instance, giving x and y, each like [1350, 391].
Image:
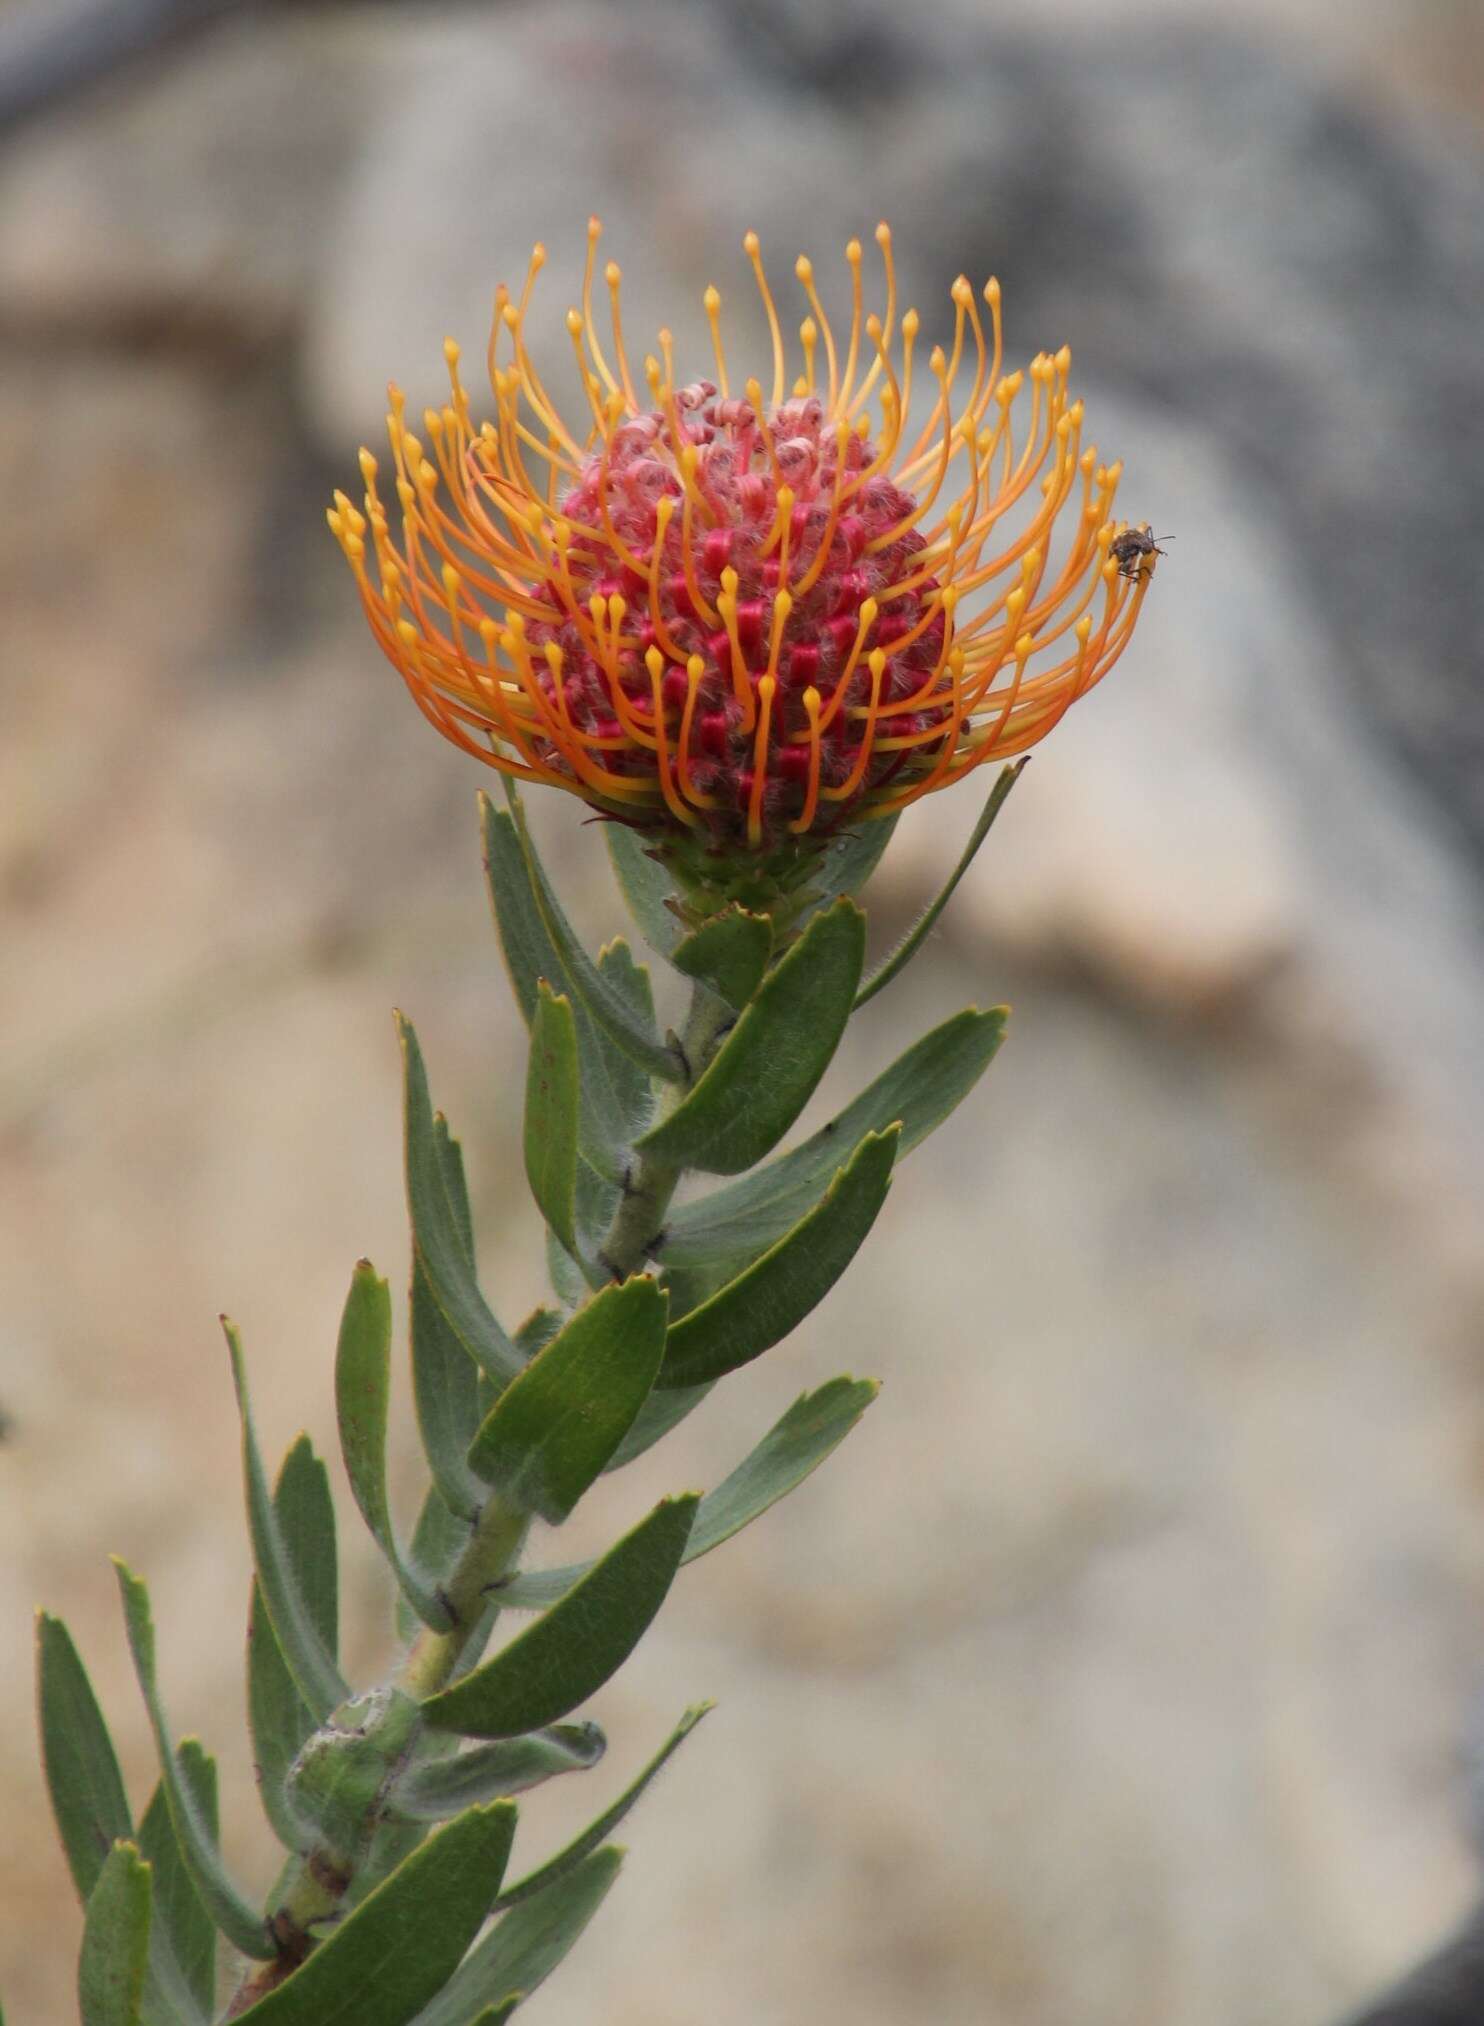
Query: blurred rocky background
[1124, 1665]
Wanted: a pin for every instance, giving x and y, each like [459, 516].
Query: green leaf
[772, 1297]
[646, 887]
[300, 1638]
[919, 1091]
[616, 1093]
[437, 1541]
[729, 953]
[445, 1391]
[554, 1428]
[115, 1941]
[660, 1413]
[433, 1791]
[341, 1778]
[82, 1773]
[816, 1424]
[553, 1097]
[765, 1071]
[912, 942]
[851, 859]
[796, 1445]
[277, 1719]
[455, 1182]
[182, 1970]
[436, 1227]
[229, 1910]
[363, 1378]
[597, 1832]
[523, 1950]
[610, 1010]
[305, 1512]
[278, 1716]
[567, 1655]
[401, 1945]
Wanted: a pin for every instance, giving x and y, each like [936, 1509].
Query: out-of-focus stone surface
[1120, 1666]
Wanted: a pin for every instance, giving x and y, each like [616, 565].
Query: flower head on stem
[738, 616]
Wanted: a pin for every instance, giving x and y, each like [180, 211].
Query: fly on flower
[739, 617]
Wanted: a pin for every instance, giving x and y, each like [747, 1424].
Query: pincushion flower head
[741, 618]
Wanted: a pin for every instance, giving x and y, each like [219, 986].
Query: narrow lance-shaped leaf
[598, 1832]
[433, 1791]
[400, 1946]
[567, 1655]
[277, 1714]
[232, 1913]
[849, 861]
[766, 1069]
[729, 953]
[796, 1445]
[645, 885]
[553, 1098]
[772, 1297]
[316, 1676]
[445, 1379]
[363, 1376]
[523, 1950]
[609, 1010]
[612, 1085]
[554, 1428]
[436, 1230]
[920, 1089]
[180, 1988]
[912, 942]
[115, 1941]
[660, 1413]
[305, 1513]
[82, 1773]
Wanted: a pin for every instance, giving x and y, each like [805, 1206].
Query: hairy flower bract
[739, 618]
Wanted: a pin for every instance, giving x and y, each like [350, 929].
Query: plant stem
[499, 1531]
[650, 1184]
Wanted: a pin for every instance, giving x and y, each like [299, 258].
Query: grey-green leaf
[436, 1228]
[553, 1099]
[729, 953]
[305, 1513]
[363, 1377]
[645, 885]
[552, 1430]
[523, 1950]
[771, 1297]
[610, 1010]
[301, 1640]
[568, 1654]
[766, 1069]
[912, 942]
[181, 1986]
[277, 1715]
[401, 1945]
[919, 1090]
[597, 1832]
[433, 1791]
[796, 1445]
[850, 860]
[194, 1833]
[277, 1718]
[115, 1941]
[82, 1773]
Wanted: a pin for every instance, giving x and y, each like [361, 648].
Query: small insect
[1135, 549]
